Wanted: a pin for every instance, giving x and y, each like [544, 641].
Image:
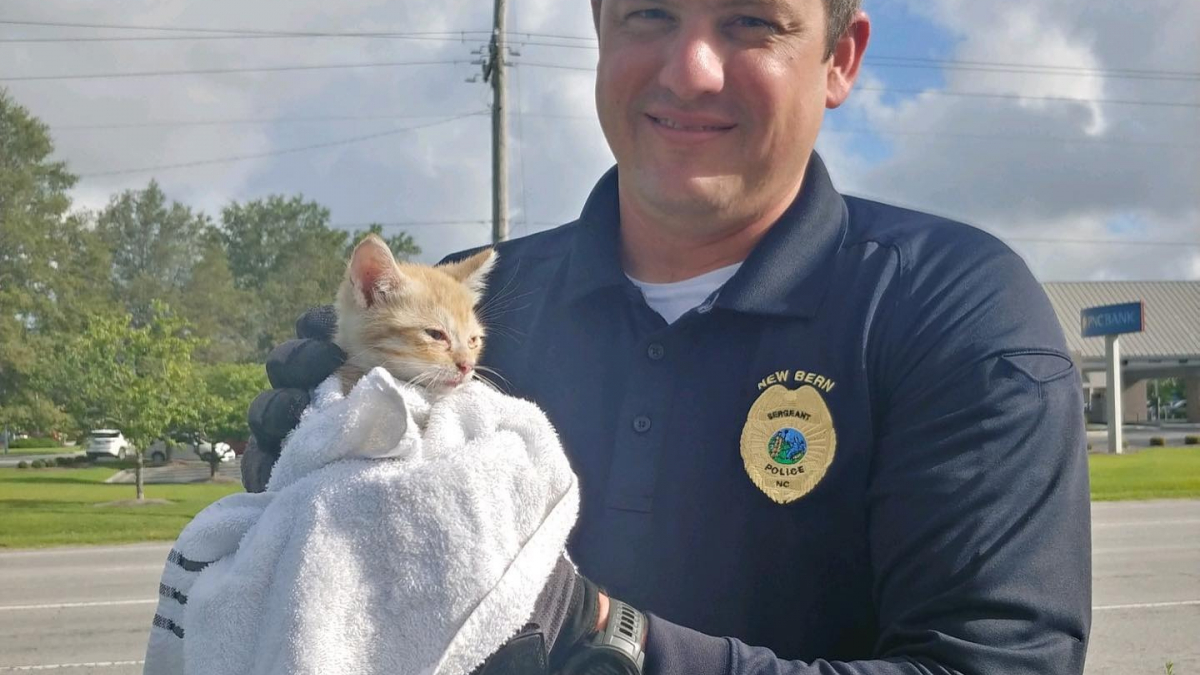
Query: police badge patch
[788, 442]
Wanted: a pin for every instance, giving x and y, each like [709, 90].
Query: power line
[239, 122]
[234, 31]
[884, 131]
[1040, 70]
[557, 66]
[945, 92]
[521, 114]
[1082, 70]
[574, 42]
[224, 71]
[1063, 99]
[273, 153]
[433, 37]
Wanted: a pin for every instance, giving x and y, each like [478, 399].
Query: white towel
[397, 535]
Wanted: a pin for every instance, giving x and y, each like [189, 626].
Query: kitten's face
[417, 321]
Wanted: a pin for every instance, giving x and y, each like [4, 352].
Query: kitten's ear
[373, 271]
[473, 271]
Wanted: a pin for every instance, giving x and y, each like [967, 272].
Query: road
[79, 611]
[1138, 436]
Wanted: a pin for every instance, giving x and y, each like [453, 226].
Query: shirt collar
[786, 273]
[595, 261]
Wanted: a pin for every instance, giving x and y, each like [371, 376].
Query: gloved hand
[565, 613]
[293, 368]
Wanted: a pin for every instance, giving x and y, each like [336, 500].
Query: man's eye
[754, 23]
[436, 334]
[649, 15]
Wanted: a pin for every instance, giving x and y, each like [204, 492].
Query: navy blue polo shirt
[931, 496]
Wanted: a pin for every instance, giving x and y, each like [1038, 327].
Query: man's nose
[694, 66]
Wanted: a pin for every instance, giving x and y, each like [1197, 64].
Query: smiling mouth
[669, 123]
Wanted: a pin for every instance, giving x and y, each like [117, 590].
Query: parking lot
[87, 610]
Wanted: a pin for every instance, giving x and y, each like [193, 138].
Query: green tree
[154, 246]
[53, 270]
[134, 378]
[220, 313]
[283, 252]
[221, 395]
[260, 236]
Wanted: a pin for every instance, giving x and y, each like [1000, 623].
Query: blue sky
[1051, 177]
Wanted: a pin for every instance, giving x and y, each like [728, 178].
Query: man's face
[711, 107]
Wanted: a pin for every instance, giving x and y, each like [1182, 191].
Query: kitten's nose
[464, 367]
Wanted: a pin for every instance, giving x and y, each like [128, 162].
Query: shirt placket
[640, 435]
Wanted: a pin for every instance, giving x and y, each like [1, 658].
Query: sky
[1068, 129]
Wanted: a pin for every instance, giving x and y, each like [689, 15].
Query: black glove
[564, 614]
[293, 368]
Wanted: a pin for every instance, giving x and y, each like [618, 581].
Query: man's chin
[691, 194]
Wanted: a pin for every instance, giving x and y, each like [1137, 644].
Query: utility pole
[495, 70]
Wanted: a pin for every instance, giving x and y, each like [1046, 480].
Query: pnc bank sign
[1129, 317]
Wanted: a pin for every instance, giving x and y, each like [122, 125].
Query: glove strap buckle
[617, 650]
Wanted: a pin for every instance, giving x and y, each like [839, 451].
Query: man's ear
[373, 271]
[846, 60]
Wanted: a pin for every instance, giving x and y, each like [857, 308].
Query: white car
[204, 449]
[160, 452]
[108, 443]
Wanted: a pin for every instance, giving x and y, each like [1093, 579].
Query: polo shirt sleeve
[978, 508]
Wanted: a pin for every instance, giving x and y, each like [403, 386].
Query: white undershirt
[673, 300]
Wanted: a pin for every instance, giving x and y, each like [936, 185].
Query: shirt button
[641, 424]
[656, 352]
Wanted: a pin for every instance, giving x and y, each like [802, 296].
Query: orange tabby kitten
[417, 321]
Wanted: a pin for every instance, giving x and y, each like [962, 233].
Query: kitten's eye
[474, 342]
[437, 334]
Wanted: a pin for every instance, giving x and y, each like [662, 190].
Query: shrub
[1158, 441]
[37, 464]
[1191, 440]
[81, 459]
[63, 461]
[22, 464]
[35, 443]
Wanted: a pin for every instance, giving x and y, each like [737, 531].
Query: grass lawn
[57, 507]
[43, 451]
[1156, 473]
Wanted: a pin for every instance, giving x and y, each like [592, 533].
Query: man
[814, 434]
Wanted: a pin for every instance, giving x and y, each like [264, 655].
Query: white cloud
[1027, 169]
[1106, 182]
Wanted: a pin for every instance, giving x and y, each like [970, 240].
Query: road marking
[70, 605]
[55, 666]
[1146, 605]
[1127, 523]
[32, 569]
[87, 550]
[1144, 549]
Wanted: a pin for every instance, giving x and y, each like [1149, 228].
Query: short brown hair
[838, 15]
